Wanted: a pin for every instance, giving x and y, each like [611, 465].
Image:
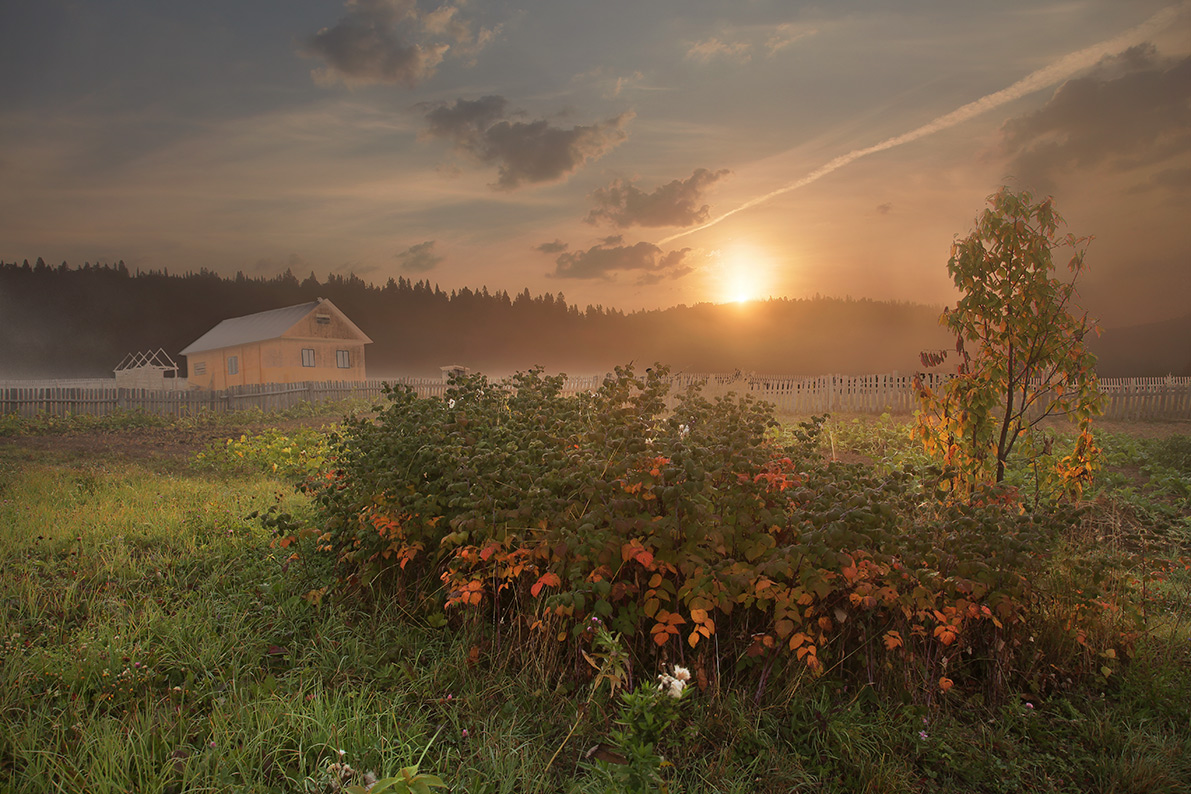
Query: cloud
[739, 45]
[1175, 180]
[524, 152]
[884, 209]
[1134, 110]
[392, 41]
[556, 247]
[466, 120]
[785, 35]
[623, 82]
[467, 40]
[611, 255]
[674, 204]
[712, 48]
[609, 84]
[649, 279]
[419, 258]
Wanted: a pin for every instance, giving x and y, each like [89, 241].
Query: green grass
[153, 639]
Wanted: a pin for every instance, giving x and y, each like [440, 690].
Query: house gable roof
[261, 326]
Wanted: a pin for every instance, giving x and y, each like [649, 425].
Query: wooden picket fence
[1124, 398]
[101, 400]
[804, 396]
[1146, 398]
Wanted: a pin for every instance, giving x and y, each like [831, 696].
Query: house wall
[322, 323]
[282, 360]
[210, 369]
[276, 361]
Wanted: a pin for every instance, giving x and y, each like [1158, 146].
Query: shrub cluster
[295, 455]
[687, 528]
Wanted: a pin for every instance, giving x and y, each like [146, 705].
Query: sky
[636, 154]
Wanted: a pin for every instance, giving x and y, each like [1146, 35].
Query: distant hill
[1161, 348]
[81, 322]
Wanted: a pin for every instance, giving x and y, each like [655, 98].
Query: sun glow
[743, 274]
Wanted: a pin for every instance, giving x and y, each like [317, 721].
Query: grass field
[156, 639]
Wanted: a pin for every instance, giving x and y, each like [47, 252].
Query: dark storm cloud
[675, 204]
[1133, 111]
[524, 152]
[419, 258]
[556, 247]
[610, 255]
[392, 41]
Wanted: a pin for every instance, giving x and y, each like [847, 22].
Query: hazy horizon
[78, 322]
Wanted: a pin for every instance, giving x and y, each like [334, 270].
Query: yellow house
[309, 342]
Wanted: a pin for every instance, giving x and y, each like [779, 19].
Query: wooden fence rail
[1124, 398]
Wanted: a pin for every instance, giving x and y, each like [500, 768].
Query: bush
[677, 528]
[298, 454]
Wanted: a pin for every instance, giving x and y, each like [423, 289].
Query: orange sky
[578, 148]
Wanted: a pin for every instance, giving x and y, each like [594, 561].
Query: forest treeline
[63, 321]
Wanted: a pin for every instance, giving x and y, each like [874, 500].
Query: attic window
[322, 319]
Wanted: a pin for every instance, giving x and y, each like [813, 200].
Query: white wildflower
[673, 685]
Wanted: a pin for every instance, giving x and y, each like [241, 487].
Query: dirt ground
[165, 445]
[1146, 429]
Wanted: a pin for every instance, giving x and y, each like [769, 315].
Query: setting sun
[742, 274]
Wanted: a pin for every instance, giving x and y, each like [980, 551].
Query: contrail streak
[1056, 72]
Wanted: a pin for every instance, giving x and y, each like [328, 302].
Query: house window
[343, 359]
[308, 357]
[322, 319]
[233, 365]
[200, 368]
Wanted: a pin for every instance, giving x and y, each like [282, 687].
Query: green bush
[676, 527]
[294, 455]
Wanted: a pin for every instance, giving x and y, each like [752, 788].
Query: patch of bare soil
[1149, 428]
[146, 444]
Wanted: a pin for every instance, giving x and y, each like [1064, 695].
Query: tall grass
[154, 639]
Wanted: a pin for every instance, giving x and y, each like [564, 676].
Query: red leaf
[548, 579]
